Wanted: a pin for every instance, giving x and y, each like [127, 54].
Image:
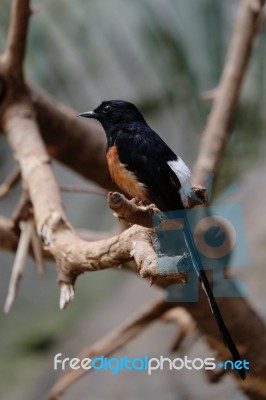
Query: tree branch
[66, 135]
[17, 35]
[217, 131]
[11, 180]
[143, 215]
[9, 236]
[127, 210]
[185, 325]
[112, 342]
[97, 190]
[19, 263]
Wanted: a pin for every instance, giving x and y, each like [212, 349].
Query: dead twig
[37, 251]
[82, 189]
[28, 237]
[11, 180]
[19, 263]
[209, 95]
[67, 294]
[22, 212]
[215, 376]
[185, 325]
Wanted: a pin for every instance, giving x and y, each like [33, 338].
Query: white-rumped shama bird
[144, 167]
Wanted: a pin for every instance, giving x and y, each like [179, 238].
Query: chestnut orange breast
[125, 179]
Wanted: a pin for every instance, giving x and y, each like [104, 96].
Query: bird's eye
[107, 109]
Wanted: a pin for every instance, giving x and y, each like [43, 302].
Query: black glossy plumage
[142, 151]
[146, 155]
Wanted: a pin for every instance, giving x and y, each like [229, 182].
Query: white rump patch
[184, 175]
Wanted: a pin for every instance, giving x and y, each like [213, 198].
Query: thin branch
[37, 251]
[11, 180]
[185, 324]
[22, 212]
[17, 35]
[82, 189]
[217, 131]
[215, 376]
[111, 342]
[209, 95]
[19, 263]
[27, 237]
[67, 294]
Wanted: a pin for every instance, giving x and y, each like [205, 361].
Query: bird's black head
[114, 114]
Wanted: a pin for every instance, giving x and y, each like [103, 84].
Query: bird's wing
[146, 155]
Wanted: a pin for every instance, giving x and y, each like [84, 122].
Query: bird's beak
[89, 114]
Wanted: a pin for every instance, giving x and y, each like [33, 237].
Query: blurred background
[161, 55]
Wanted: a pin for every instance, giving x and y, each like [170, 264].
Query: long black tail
[197, 264]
